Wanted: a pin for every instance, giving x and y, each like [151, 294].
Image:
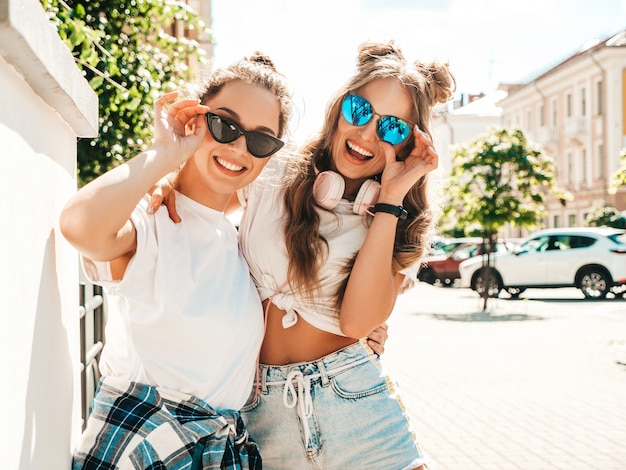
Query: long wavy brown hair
[427, 85]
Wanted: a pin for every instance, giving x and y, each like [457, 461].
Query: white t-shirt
[262, 242]
[186, 315]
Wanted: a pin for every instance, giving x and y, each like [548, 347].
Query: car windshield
[442, 248]
[535, 244]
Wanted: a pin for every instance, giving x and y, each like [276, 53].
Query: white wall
[44, 105]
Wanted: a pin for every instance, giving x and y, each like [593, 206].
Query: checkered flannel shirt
[136, 426]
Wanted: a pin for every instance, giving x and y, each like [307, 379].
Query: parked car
[446, 245]
[592, 259]
[443, 264]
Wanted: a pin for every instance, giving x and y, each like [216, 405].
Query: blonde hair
[427, 84]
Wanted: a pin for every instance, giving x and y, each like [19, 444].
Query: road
[533, 383]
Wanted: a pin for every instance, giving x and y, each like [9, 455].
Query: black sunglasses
[225, 131]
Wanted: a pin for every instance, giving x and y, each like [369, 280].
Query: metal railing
[91, 313]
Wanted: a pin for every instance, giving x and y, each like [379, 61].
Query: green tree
[604, 214]
[619, 177]
[498, 178]
[126, 53]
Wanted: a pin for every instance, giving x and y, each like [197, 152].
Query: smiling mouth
[228, 165]
[357, 152]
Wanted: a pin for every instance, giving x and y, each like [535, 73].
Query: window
[619, 238]
[583, 102]
[569, 105]
[536, 244]
[600, 162]
[571, 220]
[554, 112]
[465, 252]
[583, 165]
[580, 241]
[557, 221]
[600, 97]
[560, 242]
[542, 121]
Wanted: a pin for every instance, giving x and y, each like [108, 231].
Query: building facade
[576, 112]
[45, 106]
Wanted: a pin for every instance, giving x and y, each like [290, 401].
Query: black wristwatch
[399, 211]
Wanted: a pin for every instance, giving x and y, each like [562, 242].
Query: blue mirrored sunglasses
[357, 111]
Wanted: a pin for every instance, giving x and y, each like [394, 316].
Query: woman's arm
[97, 219]
[163, 194]
[372, 288]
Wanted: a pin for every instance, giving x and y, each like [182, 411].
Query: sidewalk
[532, 385]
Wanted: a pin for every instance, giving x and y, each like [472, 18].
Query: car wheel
[515, 292]
[427, 275]
[492, 283]
[594, 283]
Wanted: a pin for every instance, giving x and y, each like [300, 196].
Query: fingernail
[150, 210]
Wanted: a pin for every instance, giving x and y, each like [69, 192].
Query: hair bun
[262, 59]
[439, 81]
[370, 51]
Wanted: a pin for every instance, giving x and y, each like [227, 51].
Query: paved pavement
[533, 383]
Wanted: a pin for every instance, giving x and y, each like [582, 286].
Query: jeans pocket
[360, 381]
[253, 399]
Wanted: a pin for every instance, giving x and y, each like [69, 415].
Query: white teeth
[228, 165]
[360, 150]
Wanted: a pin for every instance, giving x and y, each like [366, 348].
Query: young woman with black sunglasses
[185, 320]
[331, 239]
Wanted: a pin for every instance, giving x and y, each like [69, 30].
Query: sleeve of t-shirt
[99, 272]
[410, 276]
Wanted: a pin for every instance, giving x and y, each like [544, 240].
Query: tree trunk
[488, 259]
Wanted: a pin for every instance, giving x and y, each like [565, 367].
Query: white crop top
[262, 243]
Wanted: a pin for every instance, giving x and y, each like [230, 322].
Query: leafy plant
[619, 177]
[605, 215]
[500, 178]
[125, 51]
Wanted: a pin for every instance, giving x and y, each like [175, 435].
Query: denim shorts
[338, 412]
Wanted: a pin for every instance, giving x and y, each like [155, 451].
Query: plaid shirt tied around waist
[137, 426]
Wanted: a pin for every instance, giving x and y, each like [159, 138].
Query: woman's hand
[183, 127]
[163, 193]
[377, 339]
[399, 176]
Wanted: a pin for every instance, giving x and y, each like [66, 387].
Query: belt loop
[323, 373]
[263, 377]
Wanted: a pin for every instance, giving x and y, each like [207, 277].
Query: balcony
[546, 135]
[576, 127]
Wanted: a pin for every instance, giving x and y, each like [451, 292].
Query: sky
[485, 42]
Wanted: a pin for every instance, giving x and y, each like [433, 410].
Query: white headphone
[329, 187]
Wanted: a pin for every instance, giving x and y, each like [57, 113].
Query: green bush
[125, 51]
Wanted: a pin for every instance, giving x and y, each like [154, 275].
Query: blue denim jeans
[338, 412]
